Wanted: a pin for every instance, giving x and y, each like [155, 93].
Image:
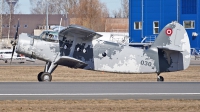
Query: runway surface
[98, 90]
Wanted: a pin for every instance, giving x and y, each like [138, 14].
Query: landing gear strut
[160, 78]
[46, 75]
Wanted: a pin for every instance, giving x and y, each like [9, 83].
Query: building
[148, 17]
[29, 23]
[109, 24]
[116, 25]
[32, 24]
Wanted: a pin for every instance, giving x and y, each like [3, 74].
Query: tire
[161, 79]
[39, 76]
[46, 77]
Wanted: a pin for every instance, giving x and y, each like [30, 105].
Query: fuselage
[108, 56]
[100, 55]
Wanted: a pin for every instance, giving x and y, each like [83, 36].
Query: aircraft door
[66, 47]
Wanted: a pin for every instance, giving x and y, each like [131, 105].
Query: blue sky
[111, 4]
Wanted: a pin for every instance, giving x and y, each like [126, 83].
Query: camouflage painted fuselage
[170, 52]
[35, 47]
[112, 57]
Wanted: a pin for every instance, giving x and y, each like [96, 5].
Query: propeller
[13, 42]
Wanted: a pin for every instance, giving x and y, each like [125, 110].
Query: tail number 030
[145, 63]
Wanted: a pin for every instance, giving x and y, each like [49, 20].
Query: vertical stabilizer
[173, 48]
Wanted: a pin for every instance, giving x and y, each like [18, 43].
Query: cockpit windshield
[50, 36]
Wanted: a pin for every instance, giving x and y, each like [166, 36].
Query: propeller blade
[16, 34]
[12, 54]
[14, 42]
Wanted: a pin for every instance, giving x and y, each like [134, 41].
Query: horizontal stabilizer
[80, 32]
[70, 62]
[168, 48]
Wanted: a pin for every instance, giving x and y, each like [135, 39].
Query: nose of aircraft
[24, 44]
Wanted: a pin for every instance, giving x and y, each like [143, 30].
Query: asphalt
[98, 90]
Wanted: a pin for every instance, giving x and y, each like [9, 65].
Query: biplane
[79, 47]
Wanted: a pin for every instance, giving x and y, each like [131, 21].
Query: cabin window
[189, 24]
[79, 49]
[84, 51]
[104, 54]
[155, 27]
[138, 25]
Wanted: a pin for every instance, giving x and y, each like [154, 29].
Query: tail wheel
[160, 78]
[47, 77]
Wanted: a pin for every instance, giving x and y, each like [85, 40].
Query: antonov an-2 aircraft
[79, 47]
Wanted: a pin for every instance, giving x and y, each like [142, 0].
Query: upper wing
[80, 32]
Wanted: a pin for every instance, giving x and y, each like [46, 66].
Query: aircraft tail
[173, 48]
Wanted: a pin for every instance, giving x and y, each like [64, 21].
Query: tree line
[89, 13]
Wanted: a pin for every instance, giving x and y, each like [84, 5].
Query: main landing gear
[160, 78]
[46, 75]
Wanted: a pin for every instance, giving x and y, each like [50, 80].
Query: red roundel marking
[169, 31]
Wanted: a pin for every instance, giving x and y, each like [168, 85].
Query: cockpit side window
[50, 36]
[53, 37]
[43, 36]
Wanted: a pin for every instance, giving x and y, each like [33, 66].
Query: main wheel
[39, 76]
[46, 77]
[160, 78]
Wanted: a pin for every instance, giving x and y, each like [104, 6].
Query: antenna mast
[1, 18]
